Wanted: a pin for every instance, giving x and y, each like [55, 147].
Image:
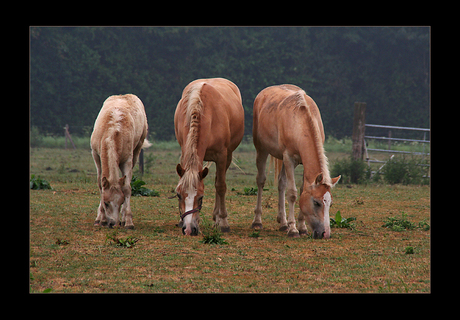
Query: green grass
[69, 254]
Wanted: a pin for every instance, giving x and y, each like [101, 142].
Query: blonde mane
[322, 159]
[189, 158]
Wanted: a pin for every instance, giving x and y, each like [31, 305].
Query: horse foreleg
[101, 218]
[261, 162]
[291, 193]
[281, 218]
[126, 214]
[220, 211]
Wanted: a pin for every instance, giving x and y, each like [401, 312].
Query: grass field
[69, 254]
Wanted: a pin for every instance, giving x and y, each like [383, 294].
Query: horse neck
[109, 162]
[313, 164]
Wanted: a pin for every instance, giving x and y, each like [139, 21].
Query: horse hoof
[283, 228]
[97, 223]
[256, 225]
[225, 229]
[131, 227]
[303, 232]
[294, 234]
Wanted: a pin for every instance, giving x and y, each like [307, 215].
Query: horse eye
[200, 201]
[178, 195]
[317, 203]
[106, 204]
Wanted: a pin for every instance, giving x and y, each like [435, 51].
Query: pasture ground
[69, 254]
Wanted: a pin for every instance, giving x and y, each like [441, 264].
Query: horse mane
[318, 143]
[190, 160]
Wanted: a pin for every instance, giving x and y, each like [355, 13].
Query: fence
[359, 138]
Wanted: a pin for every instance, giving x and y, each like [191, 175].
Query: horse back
[281, 119]
[122, 118]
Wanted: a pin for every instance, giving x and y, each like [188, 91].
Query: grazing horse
[118, 137]
[209, 125]
[287, 125]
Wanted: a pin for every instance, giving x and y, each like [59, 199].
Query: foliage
[137, 189]
[211, 233]
[79, 67]
[38, 183]
[405, 171]
[62, 242]
[254, 234]
[249, 191]
[352, 171]
[339, 222]
[396, 224]
[127, 242]
[409, 250]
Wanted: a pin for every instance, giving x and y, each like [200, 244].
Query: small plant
[38, 183]
[396, 224]
[211, 233]
[255, 234]
[127, 242]
[62, 242]
[339, 222]
[137, 189]
[409, 250]
[250, 191]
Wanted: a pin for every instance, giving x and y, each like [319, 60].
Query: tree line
[74, 69]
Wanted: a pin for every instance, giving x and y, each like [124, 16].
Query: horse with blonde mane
[287, 125]
[209, 126]
[117, 139]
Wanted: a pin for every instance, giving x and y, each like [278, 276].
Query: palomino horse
[118, 137]
[288, 126]
[209, 125]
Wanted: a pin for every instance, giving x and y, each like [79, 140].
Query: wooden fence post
[359, 122]
[141, 161]
[67, 136]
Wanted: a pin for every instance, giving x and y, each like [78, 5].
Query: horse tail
[278, 165]
[146, 144]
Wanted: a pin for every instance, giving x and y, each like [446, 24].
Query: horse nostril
[183, 230]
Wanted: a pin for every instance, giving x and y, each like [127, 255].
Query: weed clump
[339, 222]
[137, 189]
[211, 233]
[127, 242]
[405, 171]
[396, 224]
[352, 171]
[39, 183]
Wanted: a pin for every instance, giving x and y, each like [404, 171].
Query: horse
[117, 139]
[287, 125]
[209, 126]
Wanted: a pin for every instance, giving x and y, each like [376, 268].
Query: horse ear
[122, 180]
[319, 178]
[204, 173]
[335, 180]
[180, 170]
[105, 183]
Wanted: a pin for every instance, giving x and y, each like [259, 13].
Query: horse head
[315, 202]
[112, 199]
[190, 192]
